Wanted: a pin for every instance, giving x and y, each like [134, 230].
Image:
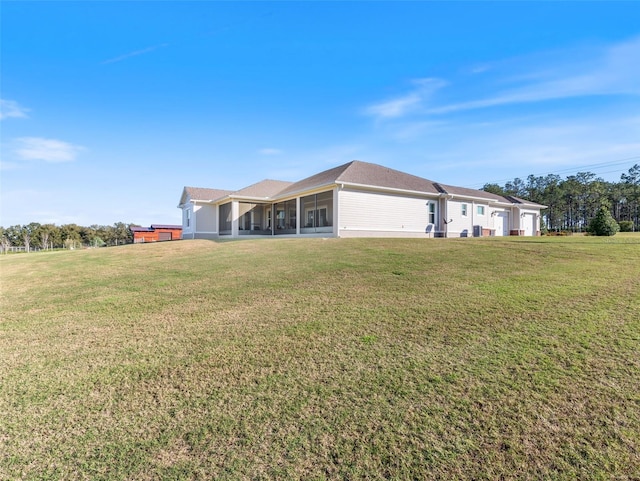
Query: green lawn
[323, 359]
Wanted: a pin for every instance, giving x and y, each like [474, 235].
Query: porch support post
[273, 219]
[336, 211]
[235, 212]
[298, 215]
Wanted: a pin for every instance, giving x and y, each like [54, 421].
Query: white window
[464, 210]
[432, 213]
[188, 217]
[481, 210]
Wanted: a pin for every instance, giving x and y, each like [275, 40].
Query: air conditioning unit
[477, 231]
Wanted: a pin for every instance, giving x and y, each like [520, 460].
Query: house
[156, 233]
[357, 199]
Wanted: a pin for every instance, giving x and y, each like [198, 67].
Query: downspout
[446, 209]
[473, 214]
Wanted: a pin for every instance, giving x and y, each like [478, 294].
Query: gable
[190, 194]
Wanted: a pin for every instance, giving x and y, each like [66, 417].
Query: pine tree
[603, 224]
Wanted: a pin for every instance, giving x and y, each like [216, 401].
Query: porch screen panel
[285, 217]
[224, 225]
[251, 219]
[317, 213]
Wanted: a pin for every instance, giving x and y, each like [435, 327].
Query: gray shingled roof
[363, 173]
[266, 189]
[463, 191]
[355, 172]
[199, 193]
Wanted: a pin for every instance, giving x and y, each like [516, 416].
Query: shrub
[603, 224]
[626, 226]
[544, 230]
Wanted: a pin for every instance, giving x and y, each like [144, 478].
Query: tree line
[574, 201]
[69, 236]
[571, 203]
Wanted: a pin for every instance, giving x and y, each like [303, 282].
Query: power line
[576, 169]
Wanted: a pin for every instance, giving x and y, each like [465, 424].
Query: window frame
[431, 212]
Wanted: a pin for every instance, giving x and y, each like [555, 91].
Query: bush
[603, 224]
[626, 226]
[543, 229]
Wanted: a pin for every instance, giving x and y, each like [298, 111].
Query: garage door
[164, 236]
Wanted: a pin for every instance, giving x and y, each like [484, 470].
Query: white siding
[527, 222]
[206, 219]
[187, 215]
[462, 226]
[459, 225]
[372, 213]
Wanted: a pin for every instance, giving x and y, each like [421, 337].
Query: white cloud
[512, 148]
[611, 71]
[410, 102]
[563, 74]
[135, 53]
[269, 151]
[480, 145]
[49, 150]
[11, 108]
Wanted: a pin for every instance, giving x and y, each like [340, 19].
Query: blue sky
[110, 108]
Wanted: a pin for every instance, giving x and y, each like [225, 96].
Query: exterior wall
[366, 214]
[203, 222]
[529, 221]
[206, 219]
[459, 225]
[141, 237]
[187, 222]
[500, 221]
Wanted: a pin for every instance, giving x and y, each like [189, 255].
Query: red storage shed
[156, 233]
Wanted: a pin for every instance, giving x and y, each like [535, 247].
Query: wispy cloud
[11, 108]
[515, 147]
[408, 103]
[611, 71]
[135, 53]
[49, 150]
[459, 131]
[572, 73]
[269, 151]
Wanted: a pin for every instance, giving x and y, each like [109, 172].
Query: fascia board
[308, 191]
[389, 189]
[495, 202]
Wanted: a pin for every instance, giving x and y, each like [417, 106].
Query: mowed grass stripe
[323, 359]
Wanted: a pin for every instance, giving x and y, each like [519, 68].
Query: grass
[323, 359]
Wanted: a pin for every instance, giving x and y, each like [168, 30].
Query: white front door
[501, 223]
[529, 224]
